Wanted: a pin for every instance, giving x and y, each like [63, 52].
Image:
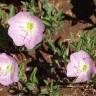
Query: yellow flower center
[9, 68]
[29, 26]
[83, 66]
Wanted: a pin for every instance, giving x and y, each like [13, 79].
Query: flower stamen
[29, 26]
[9, 68]
[83, 66]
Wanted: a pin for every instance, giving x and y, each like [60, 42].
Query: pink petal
[6, 81]
[79, 55]
[72, 70]
[19, 19]
[15, 74]
[18, 36]
[82, 78]
[7, 78]
[32, 41]
[38, 23]
[94, 69]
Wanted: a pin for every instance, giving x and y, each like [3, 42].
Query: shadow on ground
[5, 41]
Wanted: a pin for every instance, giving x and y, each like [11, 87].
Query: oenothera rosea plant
[26, 29]
[8, 69]
[80, 66]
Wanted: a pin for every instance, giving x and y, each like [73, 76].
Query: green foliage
[26, 83]
[1, 13]
[32, 81]
[92, 81]
[6, 11]
[51, 89]
[64, 51]
[11, 10]
[61, 49]
[22, 76]
[30, 5]
[51, 16]
[51, 45]
[86, 41]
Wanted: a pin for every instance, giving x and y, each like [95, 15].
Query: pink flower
[26, 29]
[8, 70]
[80, 66]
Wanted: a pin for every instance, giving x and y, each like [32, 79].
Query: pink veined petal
[77, 60]
[19, 19]
[37, 32]
[3, 57]
[2, 75]
[82, 78]
[19, 30]
[20, 35]
[83, 54]
[94, 69]
[22, 18]
[72, 70]
[32, 41]
[15, 77]
[6, 81]
[7, 77]
[6, 58]
[79, 55]
[39, 26]
[85, 58]
[17, 36]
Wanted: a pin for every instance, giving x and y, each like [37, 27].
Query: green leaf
[22, 75]
[12, 11]
[1, 13]
[30, 86]
[33, 78]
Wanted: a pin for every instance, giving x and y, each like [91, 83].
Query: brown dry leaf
[69, 12]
